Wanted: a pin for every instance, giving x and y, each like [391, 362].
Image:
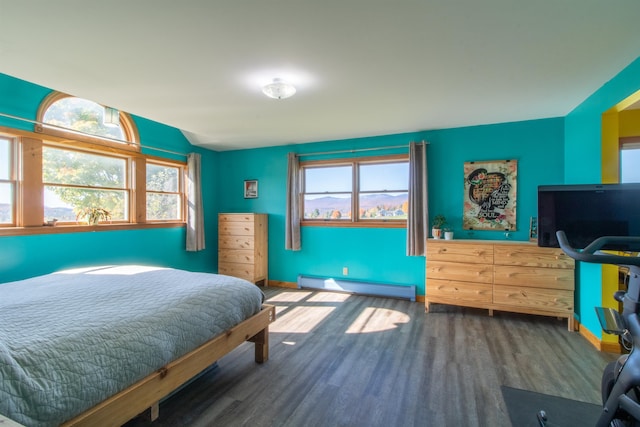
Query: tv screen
[586, 212]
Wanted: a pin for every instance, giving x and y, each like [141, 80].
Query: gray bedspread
[71, 339]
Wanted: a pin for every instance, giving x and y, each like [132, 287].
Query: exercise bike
[620, 379]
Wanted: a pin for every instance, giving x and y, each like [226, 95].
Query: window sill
[61, 229]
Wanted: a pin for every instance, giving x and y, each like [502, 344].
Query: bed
[98, 346]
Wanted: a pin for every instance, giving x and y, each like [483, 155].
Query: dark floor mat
[523, 406]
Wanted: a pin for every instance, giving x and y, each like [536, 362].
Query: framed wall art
[490, 195]
[251, 189]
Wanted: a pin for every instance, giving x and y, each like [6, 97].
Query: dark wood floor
[344, 360]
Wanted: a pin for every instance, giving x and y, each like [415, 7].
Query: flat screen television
[586, 212]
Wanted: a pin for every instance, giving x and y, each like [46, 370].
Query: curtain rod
[359, 149]
[91, 135]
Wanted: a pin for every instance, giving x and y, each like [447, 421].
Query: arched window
[86, 120]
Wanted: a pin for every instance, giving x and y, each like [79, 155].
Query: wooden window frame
[182, 178]
[354, 221]
[29, 193]
[13, 178]
[128, 170]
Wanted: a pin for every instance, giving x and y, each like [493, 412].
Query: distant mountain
[62, 214]
[328, 203]
[373, 200]
[5, 212]
[381, 202]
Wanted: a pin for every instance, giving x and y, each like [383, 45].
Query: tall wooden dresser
[243, 246]
[501, 275]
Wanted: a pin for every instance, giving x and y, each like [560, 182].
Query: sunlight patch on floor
[300, 319]
[374, 319]
[289, 297]
[329, 297]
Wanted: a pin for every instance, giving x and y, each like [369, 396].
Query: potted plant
[439, 221]
[93, 215]
[448, 233]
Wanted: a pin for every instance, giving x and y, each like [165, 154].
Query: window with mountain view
[377, 190]
[328, 192]
[384, 190]
[7, 182]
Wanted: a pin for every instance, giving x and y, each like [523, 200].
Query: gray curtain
[418, 222]
[292, 226]
[195, 213]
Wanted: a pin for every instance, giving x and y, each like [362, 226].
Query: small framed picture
[251, 189]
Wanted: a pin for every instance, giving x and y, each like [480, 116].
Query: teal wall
[26, 256]
[583, 165]
[379, 254]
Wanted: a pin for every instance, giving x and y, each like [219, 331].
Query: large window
[75, 181]
[164, 199]
[83, 162]
[356, 190]
[7, 181]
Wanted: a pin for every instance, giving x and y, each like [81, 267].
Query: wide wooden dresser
[501, 275]
[243, 246]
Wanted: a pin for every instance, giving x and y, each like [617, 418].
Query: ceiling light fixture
[279, 89]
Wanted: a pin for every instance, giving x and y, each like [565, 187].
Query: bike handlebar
[589, 254]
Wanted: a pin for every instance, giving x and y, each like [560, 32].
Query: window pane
[82, 115]
[629, 161]
[162, 178]
[335, 206]
[5, 155]
[64, 203]
[384, 177]
[74, 167]
[163, 206]
[6, 203]
[328, 179]
[384, 205]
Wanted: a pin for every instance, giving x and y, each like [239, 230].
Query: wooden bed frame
[146, 393]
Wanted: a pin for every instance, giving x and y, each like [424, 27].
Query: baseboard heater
[357, 287]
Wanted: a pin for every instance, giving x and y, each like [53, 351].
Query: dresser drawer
[452, 292]
[460, 252]
[239, 217]
[236, 229]
[540, 299]
[236, 242]
[240, 256]
[532, 256]
[243, 271]
[535, 277]
[481, 273]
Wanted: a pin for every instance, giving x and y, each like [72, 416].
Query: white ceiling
[362, 68]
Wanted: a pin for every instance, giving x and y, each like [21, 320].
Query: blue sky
[378, 177]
